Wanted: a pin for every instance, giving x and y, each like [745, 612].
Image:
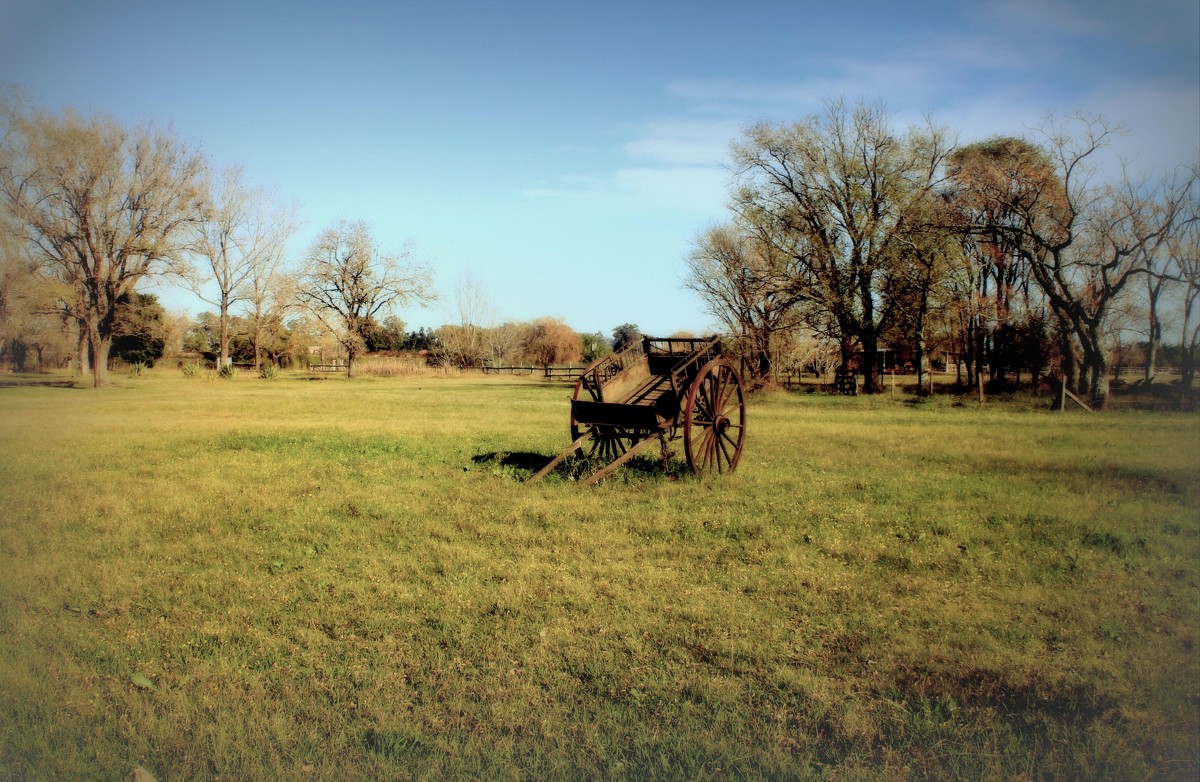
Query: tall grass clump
[191, 369]
[374, 365]
[268, 372]
[351, 580]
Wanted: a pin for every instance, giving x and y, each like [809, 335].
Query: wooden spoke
[714, 424]
[608, 443]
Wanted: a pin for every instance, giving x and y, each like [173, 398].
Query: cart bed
[648, 394]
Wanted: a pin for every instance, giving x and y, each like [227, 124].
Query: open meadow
[335, 579]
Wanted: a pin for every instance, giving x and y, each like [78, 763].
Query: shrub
[227, 372]
[191, 368]
[268, 372]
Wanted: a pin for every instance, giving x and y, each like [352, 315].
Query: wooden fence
[563, 374]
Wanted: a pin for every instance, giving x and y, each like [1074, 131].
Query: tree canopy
[101, 207]
[833, 196]
[842, 226]
[348, 282]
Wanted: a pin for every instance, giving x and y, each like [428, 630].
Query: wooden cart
[650, 393]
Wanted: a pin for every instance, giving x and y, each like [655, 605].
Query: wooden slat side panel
[628, 416]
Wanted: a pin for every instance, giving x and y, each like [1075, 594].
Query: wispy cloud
[1054, 16]
[923, 76]
[994, 77]
[1147, 21]
[683, 142]
[1163, 126]
[673, 165]
[698, 191]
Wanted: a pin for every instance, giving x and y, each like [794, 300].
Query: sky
[564, 156]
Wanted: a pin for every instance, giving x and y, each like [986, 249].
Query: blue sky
[563, 154]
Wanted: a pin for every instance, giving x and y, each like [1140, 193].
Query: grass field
[349, 580]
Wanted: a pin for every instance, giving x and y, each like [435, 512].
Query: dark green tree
[384, 337]
[139, 329]
[625, 335]
[594, 346]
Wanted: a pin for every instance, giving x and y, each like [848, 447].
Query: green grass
[349, 580]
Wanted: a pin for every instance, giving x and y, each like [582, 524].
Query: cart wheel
[607, 443]
[714, 422]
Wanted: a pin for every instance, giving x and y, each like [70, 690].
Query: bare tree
[835, 192]
[101, 207]
[806, 350]
[748, 283]
[1183, 252]
[271, 294]
[347, 281]
[464, 343]
[503, 342]
[30, 315]
[992, 277]
[1175, 269]
[919, 277]
[1084, 243]
[241, 241]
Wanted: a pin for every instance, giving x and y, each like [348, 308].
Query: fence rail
[565, 374]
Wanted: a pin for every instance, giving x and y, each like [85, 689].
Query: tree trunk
[1095, 365]
[924, 380]
[846, 351]
[1188, 343]
[1070, 365]
[1152, 347]
[998, 358]
[223, 348]
[1094, 383]
[977, 373]
[924, 384]
[257, 347]
[82, 352]
[18, 351]
[100, 347]
[872, 378]
[1087, 381]
[1153, 291]
[967, 359]
[764, 365]
[1100, 382]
